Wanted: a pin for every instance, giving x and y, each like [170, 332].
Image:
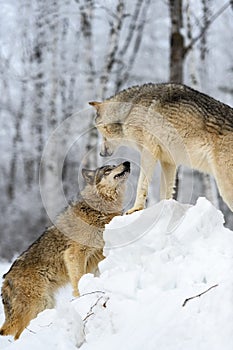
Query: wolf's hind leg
[22, 324]
[225, 186]
[223, 169]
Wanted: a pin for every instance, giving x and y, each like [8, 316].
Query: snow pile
[155, 260]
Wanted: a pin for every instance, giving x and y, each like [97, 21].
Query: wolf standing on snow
[174, 124]
[66, 251]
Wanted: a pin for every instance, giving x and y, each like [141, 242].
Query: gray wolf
[66, 251]
[174, 124]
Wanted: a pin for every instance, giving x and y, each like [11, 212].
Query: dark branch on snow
[198, 295]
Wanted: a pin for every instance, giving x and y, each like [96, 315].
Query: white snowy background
[155, 260]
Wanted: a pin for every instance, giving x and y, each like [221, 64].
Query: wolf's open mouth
[122, 174]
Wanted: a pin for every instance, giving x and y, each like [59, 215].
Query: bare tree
[116, 23]
[176, 42]
[176, 57]
[18, 117]
[119, 58]
[87, 14]
[37, 61]
[133, 40]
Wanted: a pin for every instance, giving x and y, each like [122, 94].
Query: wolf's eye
[107, 172]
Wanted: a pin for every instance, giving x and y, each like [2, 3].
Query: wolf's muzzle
[125, 172]
[105, 154]
[127, 166]
[105, 151]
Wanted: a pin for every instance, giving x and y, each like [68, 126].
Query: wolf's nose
[127, 165]
[105, 153]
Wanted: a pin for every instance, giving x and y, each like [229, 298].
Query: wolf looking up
[66, 251]
[174, 124]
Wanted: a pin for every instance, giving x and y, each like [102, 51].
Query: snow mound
[155, 260]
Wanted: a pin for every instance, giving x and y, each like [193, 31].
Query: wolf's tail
[15, 328]
[20, 308]
[7, 329]
[13, 313]
[7, 294]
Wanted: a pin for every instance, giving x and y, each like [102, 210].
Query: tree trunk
[177, 50]
[176, 42]
[86, 14]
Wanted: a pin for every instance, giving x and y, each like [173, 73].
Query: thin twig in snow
[90, 312]
[30, 331]
[83, 295]
[199, 295]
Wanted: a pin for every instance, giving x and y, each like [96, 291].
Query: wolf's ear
[95, 104]
[88, 175]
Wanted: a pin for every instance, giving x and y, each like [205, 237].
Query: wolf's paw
[132, 210]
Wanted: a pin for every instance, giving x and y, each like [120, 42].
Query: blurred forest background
[56, 55]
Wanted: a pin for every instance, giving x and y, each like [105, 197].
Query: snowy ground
[155, 260]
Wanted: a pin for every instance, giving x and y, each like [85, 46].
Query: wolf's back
[216, 115]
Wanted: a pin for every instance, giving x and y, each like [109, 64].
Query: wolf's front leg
[75, 261]
[148, 162]
[168, 177]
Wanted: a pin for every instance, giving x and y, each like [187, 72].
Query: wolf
[174, 124]
[65, 251]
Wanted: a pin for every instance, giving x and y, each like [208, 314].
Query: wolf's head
[110, 119]
[108, 176]
[105, 186]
